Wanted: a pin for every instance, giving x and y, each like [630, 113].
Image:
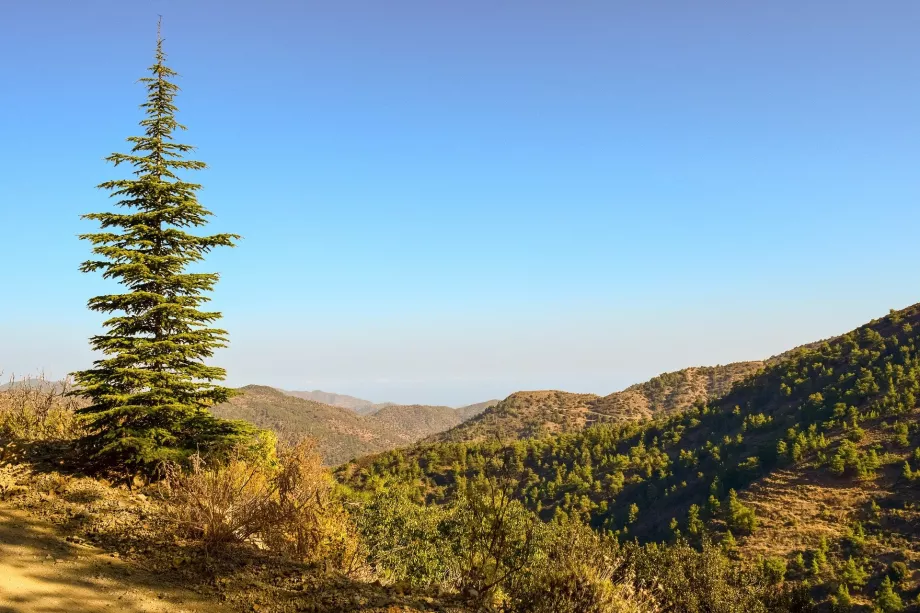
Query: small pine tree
[740, 517]
[633, 513]
[728, 542]
[886, 599]
[151, 391]
[842, 603]
[853, 575]
[695, 525]
[798, 563]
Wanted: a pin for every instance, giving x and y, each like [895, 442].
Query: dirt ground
[41, 572]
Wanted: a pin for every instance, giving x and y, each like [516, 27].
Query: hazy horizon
[443, 204]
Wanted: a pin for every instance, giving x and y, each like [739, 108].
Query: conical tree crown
[151, 390]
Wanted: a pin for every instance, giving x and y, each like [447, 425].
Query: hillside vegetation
[811, 462]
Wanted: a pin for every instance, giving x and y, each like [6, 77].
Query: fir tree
[151, 391]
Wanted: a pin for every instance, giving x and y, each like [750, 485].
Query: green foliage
[151, 391]
[820, 408]
[886, 599]
[576, 570]
[741, 519]
[774, 569]
[705, 580]
[853, 575]
[492, 535]
[407, 538]
[898, 572]
[841, 601]
[607, 473]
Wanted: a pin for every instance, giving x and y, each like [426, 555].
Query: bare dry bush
[309, 520]
[35, 409]
[225, 503]
[288, 505]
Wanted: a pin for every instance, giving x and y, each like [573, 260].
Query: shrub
[404, 539]
[492, 534]
[37, 409]
[691, 581]
[227, 502]
[898, 572]
[308, 520]
[578, 571]
[774, 569]
[287, 503]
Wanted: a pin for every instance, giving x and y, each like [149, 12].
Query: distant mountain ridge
[366, 407]
[358, 405]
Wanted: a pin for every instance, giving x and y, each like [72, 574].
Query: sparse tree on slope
[151, 389]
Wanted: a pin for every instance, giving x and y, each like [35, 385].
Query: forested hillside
[811, 461]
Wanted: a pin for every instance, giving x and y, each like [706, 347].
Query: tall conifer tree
[151, 391]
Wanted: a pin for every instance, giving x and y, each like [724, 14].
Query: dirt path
[40, 572]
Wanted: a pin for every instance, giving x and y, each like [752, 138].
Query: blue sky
[448, 201]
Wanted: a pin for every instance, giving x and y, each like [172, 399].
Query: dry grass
[795, 510]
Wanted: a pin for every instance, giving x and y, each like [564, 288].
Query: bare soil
[41, 572]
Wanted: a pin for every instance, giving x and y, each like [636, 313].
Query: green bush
[774, 569]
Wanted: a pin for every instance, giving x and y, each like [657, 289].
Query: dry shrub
[229, 502]
[34, 409]
[288, 505]
[309, 521]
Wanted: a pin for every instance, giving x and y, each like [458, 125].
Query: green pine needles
[151, 391]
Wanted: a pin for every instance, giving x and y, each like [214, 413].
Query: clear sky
[444, 202]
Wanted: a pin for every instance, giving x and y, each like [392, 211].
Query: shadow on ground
[40, 572]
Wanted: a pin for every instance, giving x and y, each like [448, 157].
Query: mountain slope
[533, 414]
[341, 434]
[472, 410]
[814, 458]
[413, 422]
[358, 405]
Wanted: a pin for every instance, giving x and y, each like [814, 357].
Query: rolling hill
[358, 405]
[810, 461]
[341, 433]
[534, 414]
